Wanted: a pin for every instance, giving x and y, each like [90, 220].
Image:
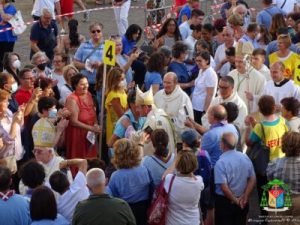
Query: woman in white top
[185, 192]
[11, 148]
[65, 90]
[205, 86]
[60, 60]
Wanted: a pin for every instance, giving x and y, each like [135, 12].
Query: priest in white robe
[279, 87]
[246, 77]
[175, 102]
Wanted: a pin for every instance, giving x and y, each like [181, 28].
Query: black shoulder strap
[263, 133]
[69, 87]
[283, 4]
[152, 157]
[91, 53]
[268, 12]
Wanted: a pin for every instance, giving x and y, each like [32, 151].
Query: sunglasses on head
[94, 31]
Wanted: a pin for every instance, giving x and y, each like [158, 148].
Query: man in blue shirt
[186, 11]
[251, 34]
[264, 17]
[14, 208]
[234, 180]
[217, 116]
[88, 57]
[43, 35]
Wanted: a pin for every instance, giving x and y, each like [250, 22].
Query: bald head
[277, 71]
[170, 82]
[95, 178]
[218, 112]
[228, 141]
[278, 65]
[171, 76]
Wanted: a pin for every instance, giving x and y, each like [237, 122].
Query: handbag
[17, 23]
[259, 154]
[159, 206]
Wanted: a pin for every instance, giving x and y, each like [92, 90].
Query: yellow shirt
[291, 63]
[273, 133]
[111, 116]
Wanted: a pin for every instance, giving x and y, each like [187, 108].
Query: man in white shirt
[196, 18]
[257, 60]
[220, 56]
[246, 77]
[70, 194]
[279, 87]
[287, 6]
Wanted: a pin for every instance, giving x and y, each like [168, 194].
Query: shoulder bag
[259, 154]
[159, 206]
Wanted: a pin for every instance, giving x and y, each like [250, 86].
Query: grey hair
[45, 11]
[38, 55]
[240, 6]
[229, 140]
[95, 177]
[228, 29]
[174, 76]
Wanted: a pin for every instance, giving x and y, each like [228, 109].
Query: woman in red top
[83, 120]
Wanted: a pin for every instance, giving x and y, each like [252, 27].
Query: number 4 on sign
[109, 56]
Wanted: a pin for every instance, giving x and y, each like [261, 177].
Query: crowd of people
[182, 111]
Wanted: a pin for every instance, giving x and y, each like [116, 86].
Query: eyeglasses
[57, 61]
[94, 31]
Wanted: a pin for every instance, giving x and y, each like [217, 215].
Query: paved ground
[106, 17]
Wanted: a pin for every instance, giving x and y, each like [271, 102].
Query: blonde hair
[186, 162]
[127, 154]
[4, 95]
[113, 79]
[66, 70]
[286, 39]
